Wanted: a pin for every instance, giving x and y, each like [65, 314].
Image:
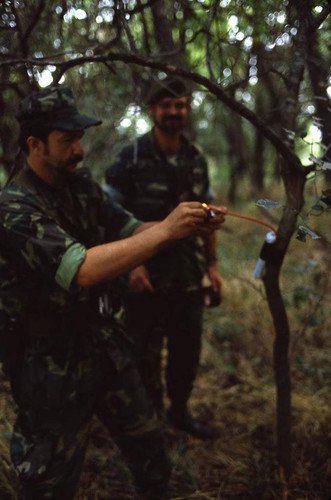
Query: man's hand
[215, 277]
[190, 218]
[139, 280]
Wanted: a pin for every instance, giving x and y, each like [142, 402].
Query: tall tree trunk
[294, 180]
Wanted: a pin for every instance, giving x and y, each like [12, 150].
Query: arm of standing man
[105, 262]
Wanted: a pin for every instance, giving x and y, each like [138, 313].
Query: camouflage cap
[169, 87]
[53, 107]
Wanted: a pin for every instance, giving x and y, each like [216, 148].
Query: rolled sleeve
[129, 227]
[36, 246]
[70, 263]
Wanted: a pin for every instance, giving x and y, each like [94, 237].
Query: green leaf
[305, 230]
[268, 204]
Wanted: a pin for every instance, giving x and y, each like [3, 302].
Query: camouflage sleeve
[36, 247]
[118, 176]
[118, 222]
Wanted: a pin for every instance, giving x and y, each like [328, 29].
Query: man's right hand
[139, 280]
[190, 218]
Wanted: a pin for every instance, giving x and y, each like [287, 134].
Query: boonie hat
[53, 107]
[169, 87]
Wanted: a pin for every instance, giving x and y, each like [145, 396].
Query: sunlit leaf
[313, 159]
[268, 204]
[305, 230]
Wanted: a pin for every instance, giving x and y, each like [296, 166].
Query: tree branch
[214, 88]
[210, 22]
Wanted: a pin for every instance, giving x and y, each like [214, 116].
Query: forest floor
[235, 390]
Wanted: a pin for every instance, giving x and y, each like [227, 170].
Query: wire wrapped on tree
[271, 236]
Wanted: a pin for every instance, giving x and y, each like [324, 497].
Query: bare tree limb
[214, 88]
[210, 22]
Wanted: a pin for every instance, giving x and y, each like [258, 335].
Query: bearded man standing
[166, 294]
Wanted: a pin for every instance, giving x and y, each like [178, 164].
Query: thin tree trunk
[295, 186]
[294, 180]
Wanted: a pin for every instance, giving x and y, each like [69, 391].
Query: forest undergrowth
[235, 390]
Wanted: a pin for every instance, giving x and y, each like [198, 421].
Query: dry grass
[235, 391]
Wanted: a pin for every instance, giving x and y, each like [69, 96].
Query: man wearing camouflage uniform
[67, 354]
[166, 296]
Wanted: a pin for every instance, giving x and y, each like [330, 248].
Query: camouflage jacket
[149, 184]
[44, 234]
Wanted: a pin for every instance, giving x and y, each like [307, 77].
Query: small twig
[210, 22]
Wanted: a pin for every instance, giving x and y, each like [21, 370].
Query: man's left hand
[215, 277]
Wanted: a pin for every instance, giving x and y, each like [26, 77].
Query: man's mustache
[75, 159]
[173, 117]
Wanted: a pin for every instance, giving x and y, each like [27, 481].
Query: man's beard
[171, 125]
[58, 169]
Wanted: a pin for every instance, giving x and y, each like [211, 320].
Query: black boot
[185, 422]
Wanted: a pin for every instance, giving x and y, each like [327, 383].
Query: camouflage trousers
[58, 394]
[176, 317]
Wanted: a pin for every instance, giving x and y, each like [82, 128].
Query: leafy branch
[302, 231]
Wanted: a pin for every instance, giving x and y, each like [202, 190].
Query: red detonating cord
[252, 219]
